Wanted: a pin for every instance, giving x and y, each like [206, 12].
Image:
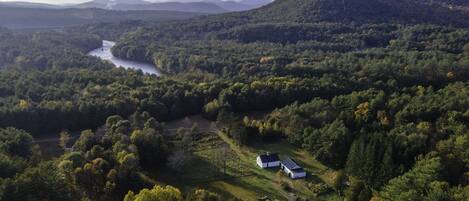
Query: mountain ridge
[23, 4]
[290, 21]
[199, 6]
[363, 11]
[25, 18]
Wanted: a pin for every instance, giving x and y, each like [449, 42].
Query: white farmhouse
[292, 169]
[268, 160]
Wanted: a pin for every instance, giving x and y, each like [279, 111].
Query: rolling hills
[370, 97]
[287, 17]
[23, 4]
[20, 18]
[327, 53]
[359, 11]
[197, 6]
[40, 15]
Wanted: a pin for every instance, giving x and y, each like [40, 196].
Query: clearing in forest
[215, 162]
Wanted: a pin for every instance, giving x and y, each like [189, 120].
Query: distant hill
[366, 11]
[232, 5]
[90, 4]
[20, 4]
[196, 7]
[40, 15]
[18, 18]
[449, 2]
[405, 12]
[256, 2]
[290, 21]
[240, 5]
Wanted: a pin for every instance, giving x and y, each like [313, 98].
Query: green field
[220, 165]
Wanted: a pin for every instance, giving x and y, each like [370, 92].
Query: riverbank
[105, 53]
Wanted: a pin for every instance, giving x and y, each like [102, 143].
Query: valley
[357, 100]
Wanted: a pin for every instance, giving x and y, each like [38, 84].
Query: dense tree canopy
[376, 89]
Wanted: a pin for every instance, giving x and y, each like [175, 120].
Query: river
[105, 54]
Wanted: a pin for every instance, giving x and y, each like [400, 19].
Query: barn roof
[291, 164]
[267, 158]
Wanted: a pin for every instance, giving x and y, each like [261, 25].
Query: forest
[17, 17]
[381, 100]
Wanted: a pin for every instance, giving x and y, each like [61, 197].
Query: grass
[317, 171]
[243, 179]
[303, 157]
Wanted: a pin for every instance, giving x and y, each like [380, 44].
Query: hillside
[21, 4]
[240, 5]
[196, 7]
[203, 6]
[283, 20]
[232, 5]
[453, 3]
[362, 11]
[363, 85]
[405, 12]
[369, 99]
[14, 17]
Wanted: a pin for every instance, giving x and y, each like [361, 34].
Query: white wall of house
[273, 164]
[291, 174]
[260, 164]
[267, 165]
[298, 175]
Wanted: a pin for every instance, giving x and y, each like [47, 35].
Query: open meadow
[217, 163]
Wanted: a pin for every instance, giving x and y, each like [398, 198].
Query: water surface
[105, 54]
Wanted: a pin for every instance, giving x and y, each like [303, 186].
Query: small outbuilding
[268, 160]
[292, 169]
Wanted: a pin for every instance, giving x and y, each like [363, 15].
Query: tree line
[108, 163]
[379, 137]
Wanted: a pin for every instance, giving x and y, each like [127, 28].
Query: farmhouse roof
[291, 164]
[267, 158]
